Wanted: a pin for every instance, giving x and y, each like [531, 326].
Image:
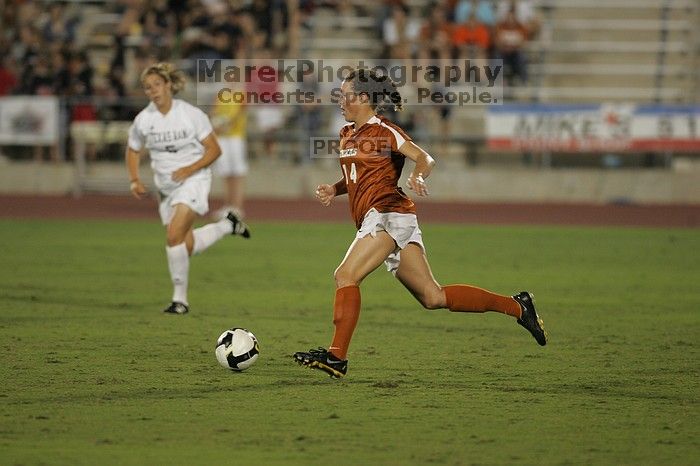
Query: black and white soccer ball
[237, 349]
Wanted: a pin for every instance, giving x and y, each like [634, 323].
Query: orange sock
[346, 311]
[466, 298]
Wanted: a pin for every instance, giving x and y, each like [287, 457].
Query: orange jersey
[372, 164]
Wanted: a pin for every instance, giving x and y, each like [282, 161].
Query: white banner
[594, 128]
[29, 120]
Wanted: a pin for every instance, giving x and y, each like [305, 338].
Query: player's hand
[181, 174]
[417, 184]
[325, 193]
[137, 189]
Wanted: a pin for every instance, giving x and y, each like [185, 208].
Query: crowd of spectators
[456, 29]
[446, 31]
[39, 56]
[41, 53]
[44, 52]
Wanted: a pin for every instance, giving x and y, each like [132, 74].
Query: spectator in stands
[511, 38]
[221, 43]
[229, 25]
[400, 30]
[8, 20]
[179, 9]
[436, 31]
[27, 48]
[80, 74]
[116, 79]
[129, 24]
[59, 69]
[250, 38]
[38, 78]
[195, 16]
[59, 28]
[8, 74]
[440, 56]
[525, 14]
[481, 9]
[215, 7]
[159, 25]
[271, 17]
[28, 11]
[213, 44]
[80, 92]
[308, 115]
[269, 116]
[385, 10]
[116, 92]
[472, 39]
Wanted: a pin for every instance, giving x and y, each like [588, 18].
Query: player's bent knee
[173, 238]
[344, 277]
[432, 301]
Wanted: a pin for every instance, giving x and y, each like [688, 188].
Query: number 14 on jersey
[353, 173]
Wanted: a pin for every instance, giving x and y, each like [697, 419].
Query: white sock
[209, 234]
[179, 265]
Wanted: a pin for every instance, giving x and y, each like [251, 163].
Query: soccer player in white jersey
[182, 145]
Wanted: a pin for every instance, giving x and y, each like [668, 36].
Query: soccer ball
[237, 349]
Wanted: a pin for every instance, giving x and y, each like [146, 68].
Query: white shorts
[233, 161]
[269, 117]
[403, 228]
[194, 193]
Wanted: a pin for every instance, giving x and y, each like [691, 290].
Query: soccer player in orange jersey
[372, 154]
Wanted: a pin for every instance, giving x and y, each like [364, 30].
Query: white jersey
[173, 140]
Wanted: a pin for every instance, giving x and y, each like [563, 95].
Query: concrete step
[579, 94]
[651, 45]
[638, 58]
[350, 34]
[617, 12]
[337, 54]
[561, 34]
[615, 69]
[588, 80]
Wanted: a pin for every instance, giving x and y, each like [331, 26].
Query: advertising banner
[593, 128]
[29, 120]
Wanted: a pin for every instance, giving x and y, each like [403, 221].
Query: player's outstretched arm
[132, 166]
[424, 165]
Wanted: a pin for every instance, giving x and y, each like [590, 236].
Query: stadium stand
[579, 51]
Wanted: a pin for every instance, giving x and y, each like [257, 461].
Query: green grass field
[94, 373]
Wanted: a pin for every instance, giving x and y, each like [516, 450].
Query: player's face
[350, 102]
[157, 89]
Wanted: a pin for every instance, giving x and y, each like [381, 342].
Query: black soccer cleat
[239, 226]
[323, 360]
[529, 318]
[177, 308]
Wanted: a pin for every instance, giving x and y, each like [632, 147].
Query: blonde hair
[167, 71]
